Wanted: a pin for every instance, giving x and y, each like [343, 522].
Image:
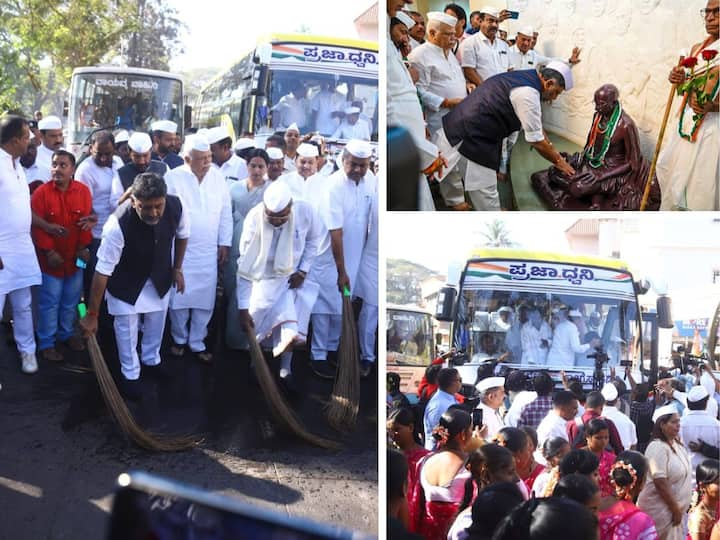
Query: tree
[496, 235]
[155, 35]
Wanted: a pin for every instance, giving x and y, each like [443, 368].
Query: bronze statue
[610, 172]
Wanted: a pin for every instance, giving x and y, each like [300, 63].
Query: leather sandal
[52, 355]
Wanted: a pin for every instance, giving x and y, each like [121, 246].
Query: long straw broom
[121, 413]
[280, 409]
[344, 403]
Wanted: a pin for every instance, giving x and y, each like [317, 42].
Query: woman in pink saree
[622, 520]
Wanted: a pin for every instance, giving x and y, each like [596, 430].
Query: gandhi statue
[610, 172]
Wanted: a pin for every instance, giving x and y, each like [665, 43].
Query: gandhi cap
[50, 122]
[697, 393]
[609, 392]
[490, 382]
[244, 143]
[662, 411]
[564, 70]
[359, 148]
[275, 153]
[122, 136]
[165, 125]
[526, 31]
[444, 18]
[277, 196]
[490, 10]
[293, 127]
[307, 150]
[406, 19]
[217, 133]
[140, 142]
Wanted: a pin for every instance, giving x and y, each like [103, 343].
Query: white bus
[120, 98]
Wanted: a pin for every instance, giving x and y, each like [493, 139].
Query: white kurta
[324, 105]
[441, 78]
[290, 110]
[313, 189]
[270, 300]
[486, 58]
[44, 156]
[565, 344]
[358, 130]
[208, 205]
[367, 277]
[348, 207]
[233, 170]
[404, 110]
[530, 60]
[492, 419]
[36, 172]
[109, 254]
[16, 248]
[688, 172]
[99, 181]
[531, 338]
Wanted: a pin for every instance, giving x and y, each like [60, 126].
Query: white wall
[630, 43]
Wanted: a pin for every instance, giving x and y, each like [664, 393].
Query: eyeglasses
[706, 12]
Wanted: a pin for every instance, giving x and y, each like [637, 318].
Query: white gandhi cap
[277, 196]
[140, 142]
[352, 110]
[293, 127]
[490, 382]
[406, 19]
[526, 31]
[697, 393]
[442, 17]
[307, 150]
[564, 70]
[609, 392]
[275, 153]
[244, 143]
[217, 133]
[122, 136]
[359, 148]
[165, 125]
[662, 411]
[50, 122]
[196, 142]
[490, 10]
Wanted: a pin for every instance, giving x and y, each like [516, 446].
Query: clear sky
[220, 32]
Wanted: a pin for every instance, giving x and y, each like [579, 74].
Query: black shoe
[322, 369]
[366, 368]
[130, 390]
[160, 371]
[287, 383]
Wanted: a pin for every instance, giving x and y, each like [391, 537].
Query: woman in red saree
[441, 476]
[597, 435]
[622, 519]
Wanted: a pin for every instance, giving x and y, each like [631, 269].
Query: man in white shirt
[19, 269]
[35, 174]
[352, 127]
[232, 167]
[346, 214]
[292, 141]
[52, 139]
[483, 54]
[449, 383]
[697, 425]
[625, 426]
[98, 172]
[206, 200]
[276, 162]
[565, 407]
[566, 341]
[536, 337]
[278, 247]
[291, 108]
[441, 82]
[417, 30]
[523, 57]
[326, 106]
[304, 182]
[492, 396]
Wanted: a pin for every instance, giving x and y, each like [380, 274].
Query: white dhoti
[281, 313]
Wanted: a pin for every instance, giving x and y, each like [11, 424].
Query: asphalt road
[61, 452]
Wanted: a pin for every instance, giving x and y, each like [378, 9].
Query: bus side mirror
[187, 119]
[66, 107]
[664, 316]
[445, 304]
[260, 79]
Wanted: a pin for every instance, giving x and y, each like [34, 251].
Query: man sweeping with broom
[136, 266]
[278, 246]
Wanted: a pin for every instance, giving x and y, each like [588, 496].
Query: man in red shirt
[62, 201]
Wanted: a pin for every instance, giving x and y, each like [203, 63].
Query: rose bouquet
[695, 86]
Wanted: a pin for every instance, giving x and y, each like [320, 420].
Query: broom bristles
[344, 403]
[280, 409]
[123, 416]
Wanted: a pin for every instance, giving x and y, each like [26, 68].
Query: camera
[599, 355]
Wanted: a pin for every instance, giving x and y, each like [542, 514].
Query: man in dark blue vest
[140, 147]
[473, 132]
[136, 267]
[163, 136]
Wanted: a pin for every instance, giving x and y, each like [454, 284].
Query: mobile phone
[477, 417]
[80, 263]
[148, 506]
[514, 14]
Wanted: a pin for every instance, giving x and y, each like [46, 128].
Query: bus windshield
[317, 101]
[121, 100]
[409, 338]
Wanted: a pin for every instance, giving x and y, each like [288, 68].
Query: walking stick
[648, 184]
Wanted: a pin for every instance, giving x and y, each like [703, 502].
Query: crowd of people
[144, 235]
[529, 461]
[464, 88]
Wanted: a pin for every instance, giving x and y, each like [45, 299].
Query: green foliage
[403, 281]
[154, 34]
[496, 235]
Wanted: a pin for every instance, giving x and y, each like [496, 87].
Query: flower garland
[696, 85]
[609, 131]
